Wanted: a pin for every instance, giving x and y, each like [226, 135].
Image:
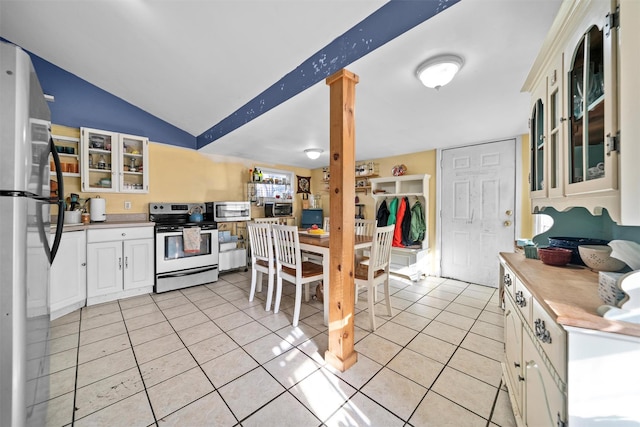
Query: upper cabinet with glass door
[114, 162]
[591, 157]
[574, 118]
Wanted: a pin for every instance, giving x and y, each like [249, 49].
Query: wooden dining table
[320, 245]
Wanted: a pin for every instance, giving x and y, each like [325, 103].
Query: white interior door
[477, 210]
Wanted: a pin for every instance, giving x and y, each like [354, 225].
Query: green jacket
[393, 209]
[418, 227]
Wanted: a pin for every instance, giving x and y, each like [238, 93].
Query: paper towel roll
[98, 209]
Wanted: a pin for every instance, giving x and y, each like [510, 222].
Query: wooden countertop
[569, 294]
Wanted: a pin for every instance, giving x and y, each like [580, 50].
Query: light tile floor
[207, 356]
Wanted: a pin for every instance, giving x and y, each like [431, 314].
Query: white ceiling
[193, 63]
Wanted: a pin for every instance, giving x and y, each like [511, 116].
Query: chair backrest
[260, 241]
[365, 227]
[381, 249]
[325, 225]
[273, 220]
[287, 244]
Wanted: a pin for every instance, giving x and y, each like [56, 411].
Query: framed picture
[304, 184]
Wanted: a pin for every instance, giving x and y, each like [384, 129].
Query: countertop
[113, 221]
[569, 294]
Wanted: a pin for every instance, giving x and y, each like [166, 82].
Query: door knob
[507, 223]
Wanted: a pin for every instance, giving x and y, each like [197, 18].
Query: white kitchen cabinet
[577, 67]
[114, 162]
[410, 261]
[120, 263]
[564, 364]
[68, 275]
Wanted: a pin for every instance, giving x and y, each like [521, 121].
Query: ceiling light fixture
[313, 153]
[438, 71]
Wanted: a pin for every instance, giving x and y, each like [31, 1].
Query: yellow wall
[526, 217]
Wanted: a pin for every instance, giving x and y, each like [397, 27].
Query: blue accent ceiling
[78, 103]
[385, 24]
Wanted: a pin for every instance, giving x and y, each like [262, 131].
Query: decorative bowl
[573, 243]
[598, 258]
[555, 256]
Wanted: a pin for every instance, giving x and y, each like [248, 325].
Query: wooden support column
[342, 193]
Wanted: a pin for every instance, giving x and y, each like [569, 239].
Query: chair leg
[276, 305]
[252, 293]
[306, 292]
[269, 292]
[387, 297]
[259, 282]
[298, 303]
[370, 290]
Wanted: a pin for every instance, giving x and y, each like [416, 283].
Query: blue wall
[78, 103]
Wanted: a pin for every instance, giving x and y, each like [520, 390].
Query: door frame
[518, 202]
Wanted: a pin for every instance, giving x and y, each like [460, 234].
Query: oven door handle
[188, 273]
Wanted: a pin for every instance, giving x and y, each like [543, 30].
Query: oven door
[170, 255]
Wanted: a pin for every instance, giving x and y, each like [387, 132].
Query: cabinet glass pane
[554, 145]
[537, 147]
[100, 160]
[586, 92]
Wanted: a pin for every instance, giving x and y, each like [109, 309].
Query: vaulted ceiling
[207, 67]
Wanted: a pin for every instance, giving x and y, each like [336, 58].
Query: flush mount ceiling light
[438, 71]
[313, 153]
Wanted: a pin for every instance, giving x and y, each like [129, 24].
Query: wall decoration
[304, 184]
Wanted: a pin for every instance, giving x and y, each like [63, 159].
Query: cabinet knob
[84, 264]
[507, 223]
[507, 279]
[520, 378]
[541, 331]
[517, 365]
[124, 234]
[520, 299]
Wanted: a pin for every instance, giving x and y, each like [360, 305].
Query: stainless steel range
[180, 261]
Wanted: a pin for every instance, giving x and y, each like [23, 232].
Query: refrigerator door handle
[51, 253]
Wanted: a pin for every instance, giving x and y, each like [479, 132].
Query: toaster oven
[278, 209]
[228, 211]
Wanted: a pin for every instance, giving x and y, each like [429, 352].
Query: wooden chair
[262, 259]
[365, 227]
[376, 271]
[290, 267]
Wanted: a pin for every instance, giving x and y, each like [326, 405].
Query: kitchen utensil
[555, 256]
[195, 214]
[72, 217]
[598, 258]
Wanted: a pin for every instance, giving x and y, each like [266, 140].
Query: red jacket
[397, 232]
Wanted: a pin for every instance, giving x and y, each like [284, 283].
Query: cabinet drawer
[551, 338]
[523, 300]
[113, 234]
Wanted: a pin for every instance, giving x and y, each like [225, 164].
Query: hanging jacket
[397, 232]
[406, 224]
[418, 227]
[383, 214]
[393, 209]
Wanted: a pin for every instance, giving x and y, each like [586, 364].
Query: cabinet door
[537, 143]
[104, 268]
[513, 351]
[138, 263]
[556, 119]
[68, 274]
[133, 171]
[99, 160]
[591, 88]
[545, 402]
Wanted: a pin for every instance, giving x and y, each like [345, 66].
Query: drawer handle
[541, 331]
[119, 263]
[126, 262]
[507, 279]
[520, 378]
[520, 299]
[517, 365]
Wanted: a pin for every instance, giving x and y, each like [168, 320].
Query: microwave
[228, 211]
[278, 209]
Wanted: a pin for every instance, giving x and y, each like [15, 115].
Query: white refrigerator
[25, 255]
